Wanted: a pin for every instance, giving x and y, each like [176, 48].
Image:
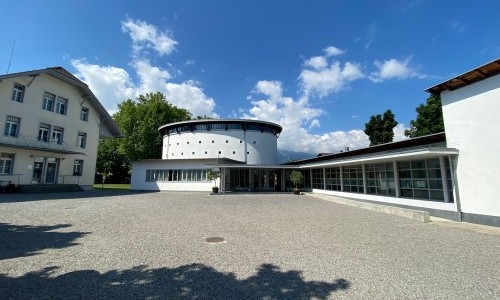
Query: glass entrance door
[50, 176]
[38, 170]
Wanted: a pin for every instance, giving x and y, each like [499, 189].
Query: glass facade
[333, 179]
[353, 179]
[380, 179]
[317, 179]
[176, 175]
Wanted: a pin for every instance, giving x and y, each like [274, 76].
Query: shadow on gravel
[194, 281]
[9, 198]
[26, 240]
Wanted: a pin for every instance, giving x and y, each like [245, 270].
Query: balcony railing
[32, 142]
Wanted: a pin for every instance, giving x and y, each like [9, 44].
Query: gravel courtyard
[276, 246]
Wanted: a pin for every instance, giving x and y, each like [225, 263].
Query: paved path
[153, 245]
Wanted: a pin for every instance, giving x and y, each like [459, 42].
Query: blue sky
[318, 68]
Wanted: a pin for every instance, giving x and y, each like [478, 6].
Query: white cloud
[371, 34]
[190, 62]
[147, 35]
[456, 26]
[393, 69]
[317, 62]
[113, 85]
[324, 81]
[333, 51]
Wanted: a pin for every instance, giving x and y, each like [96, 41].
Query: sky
[319, 69]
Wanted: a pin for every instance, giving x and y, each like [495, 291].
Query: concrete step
[49, 188]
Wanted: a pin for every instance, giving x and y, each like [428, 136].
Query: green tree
[111, 161]
[429, 118]
[380, 128]
[139, 120]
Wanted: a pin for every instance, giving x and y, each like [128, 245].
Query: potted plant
[296, 178]
[214, 175]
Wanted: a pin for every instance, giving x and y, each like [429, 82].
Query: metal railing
[27, 141]
[69, 179]
[6, 179]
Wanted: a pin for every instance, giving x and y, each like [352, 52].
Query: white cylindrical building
[246, 141]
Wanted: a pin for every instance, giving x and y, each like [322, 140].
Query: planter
[215, 190]
[296, 191]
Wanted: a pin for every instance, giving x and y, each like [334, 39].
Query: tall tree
[429, 118]
[139, 120]
[380, 128]
[111, 161]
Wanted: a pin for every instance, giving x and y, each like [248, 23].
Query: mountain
[286, 156]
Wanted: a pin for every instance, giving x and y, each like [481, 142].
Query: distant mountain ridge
[287, 156]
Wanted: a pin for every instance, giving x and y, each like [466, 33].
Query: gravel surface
[102, 245]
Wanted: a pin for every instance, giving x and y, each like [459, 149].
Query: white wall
[138, 180]
[182, 146]
[471, 119]
[31, 113]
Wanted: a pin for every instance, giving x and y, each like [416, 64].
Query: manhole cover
[214, 239]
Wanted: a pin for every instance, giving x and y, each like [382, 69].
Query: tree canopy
[139, 121]
[429, 118]
[380, 128]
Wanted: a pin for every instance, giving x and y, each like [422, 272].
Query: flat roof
[485, 71]
[271, 125]
[405, 144]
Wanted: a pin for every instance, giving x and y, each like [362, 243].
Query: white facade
[51, 123]
[471, 122]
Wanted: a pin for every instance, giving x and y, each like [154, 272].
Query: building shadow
[10, 198]
[193, 281]
[27, 240]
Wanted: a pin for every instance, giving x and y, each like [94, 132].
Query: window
[81, 140]
[18, 92]
[234, 152]
[61, 105]
[78, 167]
[317, 178]
[6, 163]
[12, 126]
[380, 179]
[353, 179]
[48, 101]
[84, 114]
[175, 175]
[57, 135]
[44, 132]
[255, 142]
[333, 179]
[227, 141]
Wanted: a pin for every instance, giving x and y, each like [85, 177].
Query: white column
[444, 179]
[365, 184]
[324, 178]
[341, 178]
[396, 178]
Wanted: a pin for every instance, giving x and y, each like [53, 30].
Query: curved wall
[247, 146]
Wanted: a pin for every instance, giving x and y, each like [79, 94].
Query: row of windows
[176, 175]
[7, 165]
[213, 142]
[418, 179]
[46, 132]
[220, 126]
[206, 152]
[50, 102]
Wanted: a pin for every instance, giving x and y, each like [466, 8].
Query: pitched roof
[62, 74]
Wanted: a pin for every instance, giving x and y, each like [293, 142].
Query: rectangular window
[18, 92]
[57, 135]
[333, 179]
[317, 178]
[12, 126]
[380, 179]
[78, 167]
[81, 140]
[6, 163]
[48, 101]
[353, 179]
[44, 132]
[61, 105]
[84, 114]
